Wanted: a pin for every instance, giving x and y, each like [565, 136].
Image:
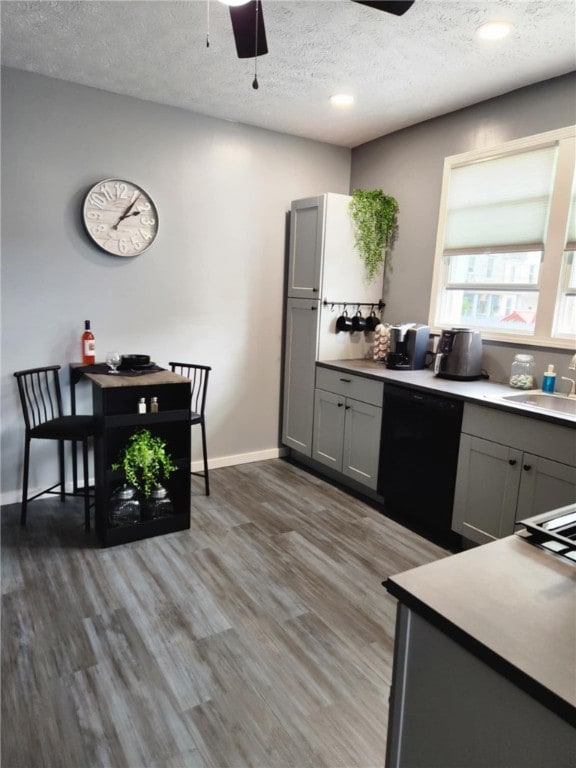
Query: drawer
[346, 384]
[542, 438]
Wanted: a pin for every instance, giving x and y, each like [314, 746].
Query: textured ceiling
[401, 70]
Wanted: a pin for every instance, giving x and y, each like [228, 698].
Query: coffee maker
[408, 345]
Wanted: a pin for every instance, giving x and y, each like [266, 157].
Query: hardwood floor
[260, 637]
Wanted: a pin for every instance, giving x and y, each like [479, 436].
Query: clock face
[120, 217]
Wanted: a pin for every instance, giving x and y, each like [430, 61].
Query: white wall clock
[120, 217]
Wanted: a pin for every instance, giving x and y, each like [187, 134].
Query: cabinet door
[545, 485]
[299, 374]
[362, 442]
[306, 244]
[329, 415]
[486, 489]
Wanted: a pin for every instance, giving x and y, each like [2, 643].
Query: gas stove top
[554, 531]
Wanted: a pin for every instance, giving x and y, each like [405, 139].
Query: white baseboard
[240, 458]
[15, 496]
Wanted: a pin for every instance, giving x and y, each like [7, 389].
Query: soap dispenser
[549, 380]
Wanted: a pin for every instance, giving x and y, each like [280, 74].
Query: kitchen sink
[558, 403]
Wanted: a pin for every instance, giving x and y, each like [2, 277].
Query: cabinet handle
[340, 405]
[314, 290]
[346, 381]
[313, 308]
[527, 467]
[512, 462]
[348, 407]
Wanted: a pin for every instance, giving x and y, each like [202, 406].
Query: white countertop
[516, 600]
[481, 392]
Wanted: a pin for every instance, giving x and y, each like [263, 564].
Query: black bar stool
[41, 399]
[198, 375]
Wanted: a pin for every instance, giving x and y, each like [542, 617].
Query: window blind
[500, 204]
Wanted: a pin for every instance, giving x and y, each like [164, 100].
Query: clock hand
[127, 213]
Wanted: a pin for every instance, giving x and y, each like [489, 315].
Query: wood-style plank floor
[260, 637]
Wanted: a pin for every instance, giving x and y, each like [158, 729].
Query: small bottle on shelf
[154, 405]
[142, 405]
[549, 380]
[88, 345]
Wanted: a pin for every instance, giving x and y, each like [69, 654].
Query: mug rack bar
[380, 304]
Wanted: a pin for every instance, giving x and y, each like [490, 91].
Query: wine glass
[113, 360]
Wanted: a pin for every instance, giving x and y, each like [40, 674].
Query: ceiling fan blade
[397, 7]
[248, 43]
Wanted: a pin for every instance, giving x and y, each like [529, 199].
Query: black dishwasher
[418, 460]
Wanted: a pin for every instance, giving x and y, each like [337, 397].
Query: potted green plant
[145, 461]
[375, 219]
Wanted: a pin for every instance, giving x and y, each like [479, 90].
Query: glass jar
[158, 504]
[522, 372]
[124, 506]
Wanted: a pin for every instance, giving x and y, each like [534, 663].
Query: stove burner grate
[553, 531]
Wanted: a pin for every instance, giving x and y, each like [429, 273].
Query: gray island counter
[485, 661]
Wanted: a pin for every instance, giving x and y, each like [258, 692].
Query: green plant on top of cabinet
[375, 217]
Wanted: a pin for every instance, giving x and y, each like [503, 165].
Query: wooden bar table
[115, 401]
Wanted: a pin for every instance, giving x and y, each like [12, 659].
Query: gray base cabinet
[347, 425]
[448, 709]
[525, 468]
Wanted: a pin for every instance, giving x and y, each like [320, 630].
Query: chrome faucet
[571, 367]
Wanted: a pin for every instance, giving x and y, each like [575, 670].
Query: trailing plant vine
[375, 219]
[145, 461]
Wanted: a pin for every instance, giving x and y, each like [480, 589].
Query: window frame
[549, 287]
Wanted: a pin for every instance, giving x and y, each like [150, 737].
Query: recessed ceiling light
[342, 100]
[234, 2]
[494, 30]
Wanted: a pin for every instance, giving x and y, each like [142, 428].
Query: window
[505, 254]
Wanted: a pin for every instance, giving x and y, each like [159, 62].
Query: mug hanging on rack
[372, 321]
[344, 323]
[358, 321]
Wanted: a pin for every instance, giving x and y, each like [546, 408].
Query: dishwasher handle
[419, 399]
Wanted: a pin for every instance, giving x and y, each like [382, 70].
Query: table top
[108, 381]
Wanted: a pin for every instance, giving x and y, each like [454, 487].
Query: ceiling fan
[248, 22]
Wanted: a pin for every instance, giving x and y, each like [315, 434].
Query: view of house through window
[506, 242]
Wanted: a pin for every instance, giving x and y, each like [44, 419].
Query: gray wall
[408, 165]
[209, 290]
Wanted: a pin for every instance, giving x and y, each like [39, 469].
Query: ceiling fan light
[494, 30]
[342, 100]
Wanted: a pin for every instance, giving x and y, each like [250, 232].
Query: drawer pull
[346, 381]
[340, 405]
[527, 467]
[512, 462]
[348, 407]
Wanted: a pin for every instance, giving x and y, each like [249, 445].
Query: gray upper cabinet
[306, 245]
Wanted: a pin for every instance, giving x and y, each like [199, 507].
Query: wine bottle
[88, 345]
